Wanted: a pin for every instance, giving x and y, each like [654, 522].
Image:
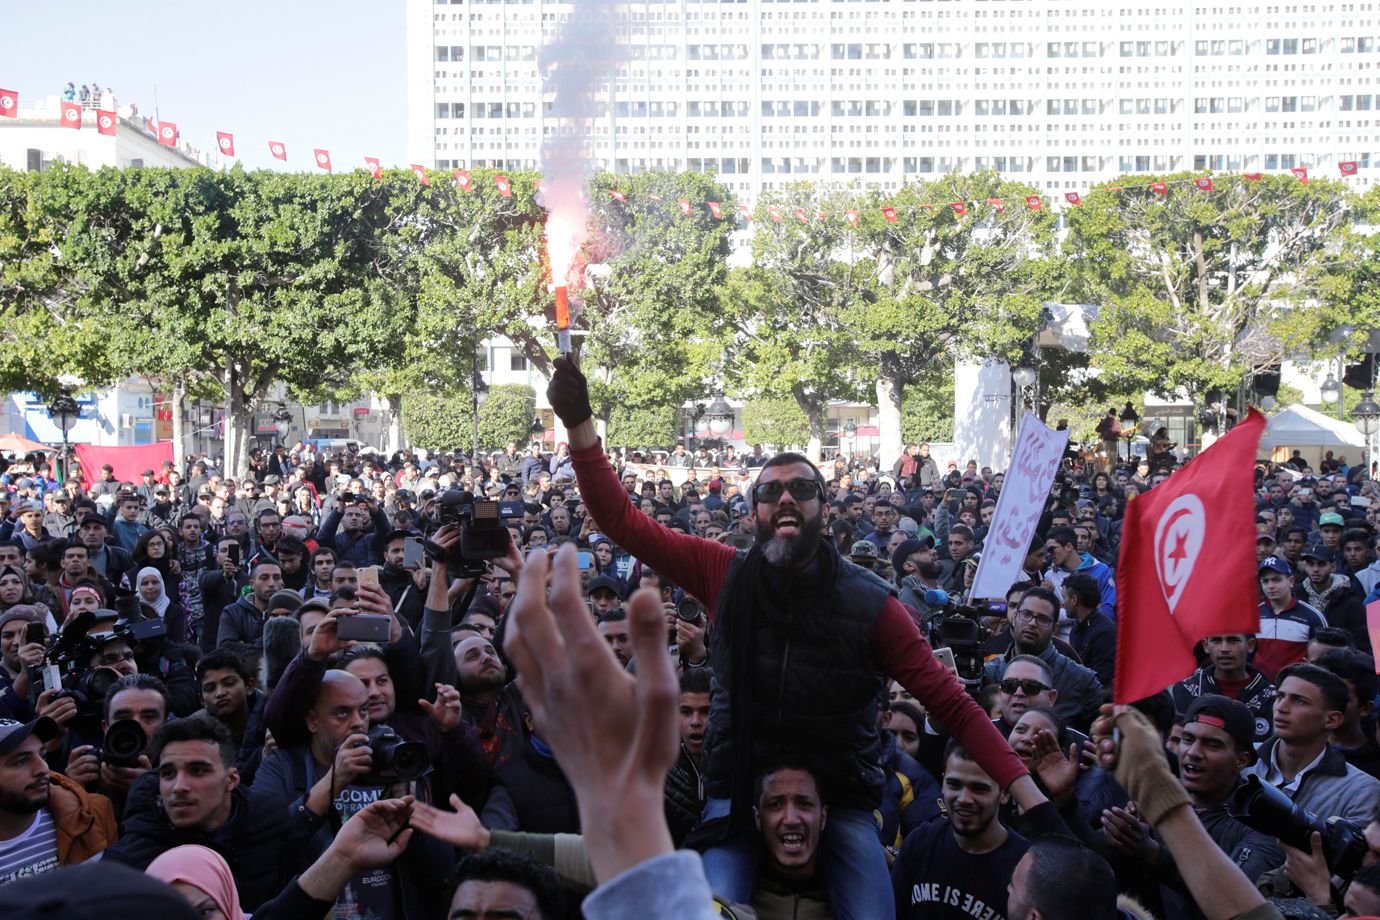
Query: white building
[1058, 94]
[37, 139]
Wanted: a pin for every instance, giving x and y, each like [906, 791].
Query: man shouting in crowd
[800, 641]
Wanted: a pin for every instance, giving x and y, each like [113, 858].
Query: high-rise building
[1057, 93]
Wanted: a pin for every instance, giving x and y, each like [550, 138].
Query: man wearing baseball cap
[1286, 623]
[1330, 594]
[1264, 541]
[46, 820]
[1216, 748]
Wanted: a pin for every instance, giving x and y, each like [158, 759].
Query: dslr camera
[1263, 808]
[66, 667]
[962, 628]
[394, 760]
[483, 533]
[124, 743]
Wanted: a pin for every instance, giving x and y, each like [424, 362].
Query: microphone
[282, 643]
[936, 597]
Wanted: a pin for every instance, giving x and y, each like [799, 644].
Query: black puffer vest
[814, 697]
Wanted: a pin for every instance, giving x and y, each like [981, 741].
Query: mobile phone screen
[585, 561]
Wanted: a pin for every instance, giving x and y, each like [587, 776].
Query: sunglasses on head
[800, 489]
[1010, 685]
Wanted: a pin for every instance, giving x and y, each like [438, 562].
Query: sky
[308, 75]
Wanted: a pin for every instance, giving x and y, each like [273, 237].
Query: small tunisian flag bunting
[1187, 544]
[226, 143]
[1300, 173]
[167, 134]
[462, 181]
[505, 188]
[656, 198]
[746, 212]
[1159, 188]
[927, 207]
[9, 103]
[997, 203]
[71, 115]
[617, 194]
[1348, 167]
[1072, 198]
[959, 208]
[1204, 183]
[105, 123]
[716, 210]
[775, 214]
[323, 159]
[372, 164]
[541, 186]
[684, 205]
[1254, 177]
[278, 150]
[420, 173]
[1033, 201]
[801, 214]
[819, 215]
[889, 214]
[853, 217]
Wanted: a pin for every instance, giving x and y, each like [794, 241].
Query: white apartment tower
[1056, 93]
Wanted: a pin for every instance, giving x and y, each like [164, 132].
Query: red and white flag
[105, 123]
[684, 205]
[71, 115]
[997, 203]
[889, 214]
[1203, 183]
[278, 150]
[819, 215]
[617, 194]
[801, 214]
[1348, 167]
[372, 164]
[9, 103]
[776, 215]
[656, 198]
[1073, 199]
[852, 217]
[323, 159]
[746, 213]
[1159, 188]
[226, 143]
[1253, 177]
[1188, 567]
[715, 209]
[462, 181]
[167, 134]
[1300, 173]
[960, 208]
[541, 186]
[1034, 203]
[927, 207]
[505, 187]
[420, 173]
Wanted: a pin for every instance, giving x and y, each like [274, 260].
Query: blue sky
[309, 75]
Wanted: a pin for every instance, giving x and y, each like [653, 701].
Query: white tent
[1300, 426]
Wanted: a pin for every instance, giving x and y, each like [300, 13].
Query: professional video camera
[394, 760]
[1262, 807]
[66, 665]
[483, 534]
[962, 628]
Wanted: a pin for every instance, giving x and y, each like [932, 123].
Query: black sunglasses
[800, 489]
[1009, 686]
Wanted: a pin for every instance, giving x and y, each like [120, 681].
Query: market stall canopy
[15, 443]
[1300, 426]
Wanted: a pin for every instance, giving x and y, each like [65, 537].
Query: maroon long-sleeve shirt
[700, 566]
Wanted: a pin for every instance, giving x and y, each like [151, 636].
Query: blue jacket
[1105, 580]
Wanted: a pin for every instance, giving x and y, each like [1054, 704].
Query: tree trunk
[890, 389]
[179, 429]
[393, 433]
[814, 414]
[230, 438]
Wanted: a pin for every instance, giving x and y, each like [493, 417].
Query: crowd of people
[687, 684]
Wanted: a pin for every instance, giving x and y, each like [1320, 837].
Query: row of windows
[1354, 45]
[1216, 104]
[1289, 45]
[650, 109]
[719, 52]
[1353, 103]
[1071, 164]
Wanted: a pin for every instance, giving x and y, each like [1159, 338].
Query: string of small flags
[167, 134]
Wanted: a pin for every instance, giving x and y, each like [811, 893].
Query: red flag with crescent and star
[372, 164]
[889, 214]
[323, 159]
[715, 209]
[1348, 167]
[1203, 183]
[747, 212]
[1188, 566]
[9, 103]
[505, 187]
[617, 194]
[278, 150]
[71, 116]
[462, 181]
[852, 217]
[1300, 173]
[105, 123]
[226, 143]
[420, 172]
[1034, 202]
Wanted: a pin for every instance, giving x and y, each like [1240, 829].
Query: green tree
[776, 421]
[927, 412]
[654, 427]
[445, 421]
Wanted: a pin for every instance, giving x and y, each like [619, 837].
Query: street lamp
[65, 413]
[1331, 390]
[718, 416]
[1129, 419]
[850, 429]
[282, 421]
[1023, 375]
[1366, 416]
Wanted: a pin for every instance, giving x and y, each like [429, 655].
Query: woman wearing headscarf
[154, 549]
[153, 594]
[15, 590]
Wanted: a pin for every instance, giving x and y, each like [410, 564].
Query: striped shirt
[1283, 637]
[32, 852]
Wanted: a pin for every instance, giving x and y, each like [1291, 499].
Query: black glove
[568, 393]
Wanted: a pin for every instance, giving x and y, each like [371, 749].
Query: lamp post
[1129, 419]
[851, 429]
[480, 392]
[65, 413]
[282, 422]
[718, 417]
[1366, 415]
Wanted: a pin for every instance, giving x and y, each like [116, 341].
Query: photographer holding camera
[134, 707]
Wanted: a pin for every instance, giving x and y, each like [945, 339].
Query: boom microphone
[936, 597]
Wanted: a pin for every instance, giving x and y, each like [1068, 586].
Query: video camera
[483, 534]
[962, 628]
[394, 760]
[66, 667]
[1264, 808]
[124, 744]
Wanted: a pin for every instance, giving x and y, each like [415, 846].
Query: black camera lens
[124, 743]
[409, 760]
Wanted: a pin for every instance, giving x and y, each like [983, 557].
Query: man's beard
[790, 551]
[21, 804]
[929, 571]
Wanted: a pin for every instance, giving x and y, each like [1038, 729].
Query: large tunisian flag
[1187, 565]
